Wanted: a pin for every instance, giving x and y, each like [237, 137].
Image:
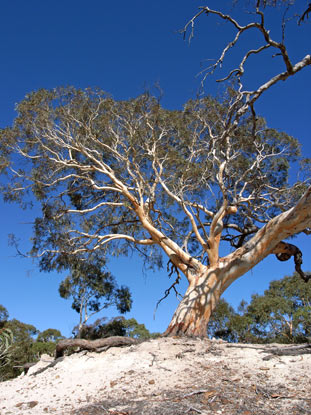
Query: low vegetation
[22, 343]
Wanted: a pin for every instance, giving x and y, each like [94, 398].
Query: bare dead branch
[172, 287]
[305, 14]
[92, 345]
[250, 97]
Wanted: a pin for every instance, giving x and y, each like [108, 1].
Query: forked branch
[250, 96]
[171, 268]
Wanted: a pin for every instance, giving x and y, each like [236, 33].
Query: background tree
[282, 314]
[93, 290]
[6, 340]
[231, 326]
[117, 326]
[4, 315]
[49, 335]
[220, 322]
[137, 330]
[26, 345]
[21, 349]
[115, 175]
[101, 328]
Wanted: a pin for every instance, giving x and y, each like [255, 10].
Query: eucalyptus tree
[112, 176]
[117, 326]
[233, 326]
[6, 339]
[49, 336]
[92, 290]
[283, 312]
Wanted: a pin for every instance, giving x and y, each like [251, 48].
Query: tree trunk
[194, 311]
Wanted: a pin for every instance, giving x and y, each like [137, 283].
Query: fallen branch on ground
[289, 351]
[93, 345]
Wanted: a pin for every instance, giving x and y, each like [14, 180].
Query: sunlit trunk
[193, 313]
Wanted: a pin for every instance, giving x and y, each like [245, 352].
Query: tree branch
[92, 345]
[284, 251]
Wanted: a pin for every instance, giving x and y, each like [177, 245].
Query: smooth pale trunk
[193, 313]
[194, 310]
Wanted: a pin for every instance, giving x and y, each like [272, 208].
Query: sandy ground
[164, 376]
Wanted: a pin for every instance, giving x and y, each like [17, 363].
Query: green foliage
[38, 348]
[219, 325]
[101, 328]
[21, 331]
[137, 331]
[6, 340]
[282, 314]
[117, 326]
[4, 315]
[21, 349]
[49, 335]
[111, 143]
[92, 289]
[25, 345]
[229, 325]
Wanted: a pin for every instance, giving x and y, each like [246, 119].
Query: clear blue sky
[124, 47]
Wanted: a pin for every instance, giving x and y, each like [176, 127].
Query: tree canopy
[49, 335]
[95, 161]
[92, 290]
[112, 176]
[117, 326]
[283, 312]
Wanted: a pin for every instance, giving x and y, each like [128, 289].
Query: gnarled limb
[93, 345]
[249, 97]
[284, 251]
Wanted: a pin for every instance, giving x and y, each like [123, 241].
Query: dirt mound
[173, 376]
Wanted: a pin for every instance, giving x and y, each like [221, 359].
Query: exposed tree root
[296, 350]
[92, 345]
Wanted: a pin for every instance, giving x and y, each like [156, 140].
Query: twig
[195, 393]
[191, 408]
[173, 286]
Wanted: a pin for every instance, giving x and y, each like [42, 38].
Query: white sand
[148, 369]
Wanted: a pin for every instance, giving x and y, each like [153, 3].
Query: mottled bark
[193, 313]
